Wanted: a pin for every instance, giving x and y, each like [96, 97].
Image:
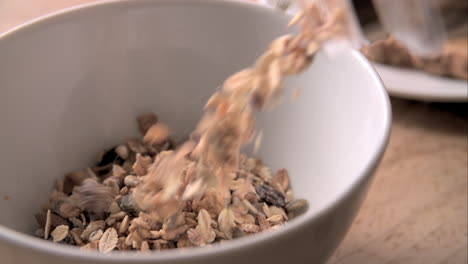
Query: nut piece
[59, 233]
[142, 164]
[108, 241]
[157, 134]
[122, 151]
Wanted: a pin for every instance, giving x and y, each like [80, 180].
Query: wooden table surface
[416, 209]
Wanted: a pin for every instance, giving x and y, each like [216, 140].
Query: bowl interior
[72, 85]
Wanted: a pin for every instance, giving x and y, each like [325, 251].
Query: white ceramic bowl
[72, 83]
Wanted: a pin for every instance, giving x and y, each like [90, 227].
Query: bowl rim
[23, 240]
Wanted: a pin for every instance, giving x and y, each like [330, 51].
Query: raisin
[270, 195]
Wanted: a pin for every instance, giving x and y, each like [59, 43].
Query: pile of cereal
[94, 208]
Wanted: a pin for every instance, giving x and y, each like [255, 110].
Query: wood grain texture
[416, 209]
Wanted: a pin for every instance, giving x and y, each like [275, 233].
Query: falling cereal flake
[296, 94]
[258, 142]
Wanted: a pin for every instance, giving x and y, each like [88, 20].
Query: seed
[249, 206]
[266, 210]
[118, 215]
[47, 225]
[124, 224]
[289, 196]
[297, 206]
[275, 219]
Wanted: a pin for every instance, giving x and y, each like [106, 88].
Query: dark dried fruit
[128, 205]
[270, 195]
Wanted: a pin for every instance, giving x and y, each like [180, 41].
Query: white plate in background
[418, 85]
